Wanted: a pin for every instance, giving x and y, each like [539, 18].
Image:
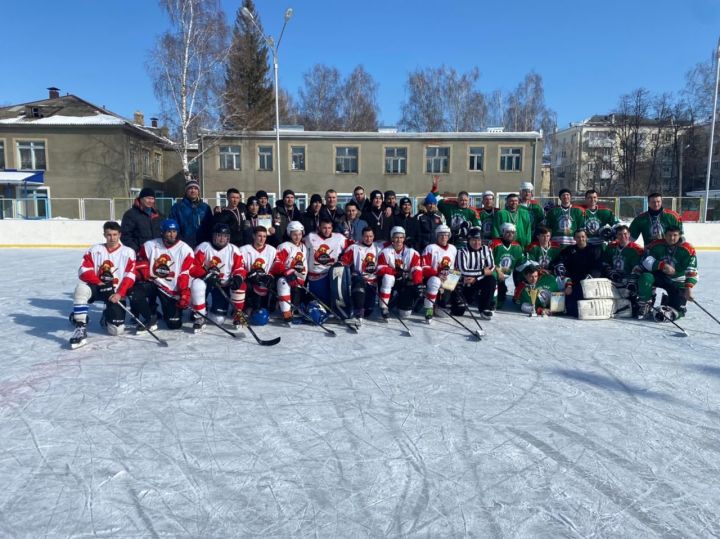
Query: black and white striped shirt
[472, 263]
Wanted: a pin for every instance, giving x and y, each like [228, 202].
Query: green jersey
[652, 227]
[563, 222]
[521, 220]
[507, 257]
[595, 220]
[487, 218]
[680, 256]
[545, 286]
[622, 259]
[544, 256]
[459, 220]
[537, 214]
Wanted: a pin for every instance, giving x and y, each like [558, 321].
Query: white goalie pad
[598, 289]
[451, 281]
[557, 302]
[603, 309]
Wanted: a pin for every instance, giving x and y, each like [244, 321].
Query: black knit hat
[316, 198]
[146, 192]
[376, 192]
[261, 194]
[252, 200]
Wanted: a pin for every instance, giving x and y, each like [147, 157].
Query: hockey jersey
[622, 259]
[563, 222]
[595, 220]
[680, 256]
[438, 261]
[254, 260]
[322, 253]
[545, 286]
[507, 258]
[291, 258]
[405, 263]
[521, 220]
[168, 267]
[544, 256]
[652, 227]
[102, 266]
[363, 259]
[227, 260]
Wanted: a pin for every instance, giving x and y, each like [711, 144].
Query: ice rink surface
[546, 428]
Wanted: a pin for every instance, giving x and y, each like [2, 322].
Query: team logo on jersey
[506, 262]
[322, 255]
[216, 262]
[106, 272]
[565, 224]
[619, 263]
[657, 230]
[444, 266]
[544, 260]
[592, 225]
[369, 264]
[399, 267]
[298, 262]
[487, 228]
[258, 265]
[161, 267]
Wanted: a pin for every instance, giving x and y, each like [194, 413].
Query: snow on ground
[548, 427]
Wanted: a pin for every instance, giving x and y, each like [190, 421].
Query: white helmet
[507, 227]
[442, 229]
[527, 186]
[488, 194]
[397, 230]
[294, 226]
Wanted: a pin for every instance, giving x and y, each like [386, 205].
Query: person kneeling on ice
[622, 261]
[163, 266]
[671, 264]
[291, 264]
[508, 255]
[362, 259]
[258, 259]
[218, 267]
[477, 268]
[106, 274]
[535, 293]
[438, 260]
[400, 271]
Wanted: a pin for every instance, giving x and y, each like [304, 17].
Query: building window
[510, 159]
[437, 159]
[31, 155]
[2, 154]
[477, 158]
[265, 157]
[229, 157]
[133, 161]
[346, 159]
[396, 160]
[297, 157]
[157, 166]
[146, 162]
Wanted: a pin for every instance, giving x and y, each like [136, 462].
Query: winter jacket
[352, 230]
[412, 229]
[336, 217]
[139, 226]
[427, 223]
[281, 217]
[233, 219]
[195, 221]
[380, 224]
[311, 221]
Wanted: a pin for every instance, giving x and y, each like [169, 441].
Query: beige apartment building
[314, 161]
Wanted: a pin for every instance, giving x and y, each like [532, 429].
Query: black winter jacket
[137, 226]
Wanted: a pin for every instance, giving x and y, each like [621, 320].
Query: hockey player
[487, 216]
[362, 258]
[671, 264]
[163, 266]
[578, 262]
[291, 266]
[459, 216]
[258, 258]
[508, 255]
[323, 251]
[622, 258]
[652, 224]
[537, 214]
[597, 219]
[535, 292]
[106, 274]
[477, 280]
[218, 265]
[520, 219]
[565, 219]
[543, 250]
[399, 270]
[438, 260]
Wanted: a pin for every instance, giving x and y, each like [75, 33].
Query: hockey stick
[668, 319]
[703, 309]
[481, 331]
[328, 309]
[302, 313]
[160, 341]
[261, 342]
[214, 323]
[397, 316]
[475, 333]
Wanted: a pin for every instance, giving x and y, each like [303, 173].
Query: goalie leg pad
[595, 309]
[598, 288]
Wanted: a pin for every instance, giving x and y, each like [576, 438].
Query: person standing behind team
[193, 216]
[141, 222]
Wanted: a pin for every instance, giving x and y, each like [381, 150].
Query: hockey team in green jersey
[520, 219]
[543, 251]
[459, 216]
[534, 294]
[565, 219]
[597, 219]
[508, 255]
[652, 224]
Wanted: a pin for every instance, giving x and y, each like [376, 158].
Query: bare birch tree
[359, 101]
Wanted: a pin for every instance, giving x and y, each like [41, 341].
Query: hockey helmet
[488, 194]
[221, 228]
[316, 312]
[507, 227]
[397, 230]
[475, 232]
[259, 317]
[169, 224]
[442, 229]
[294, 226]
[526, 186]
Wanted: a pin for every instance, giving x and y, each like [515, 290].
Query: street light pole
[274, 49]
[712, 132]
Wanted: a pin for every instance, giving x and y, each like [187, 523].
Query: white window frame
[157, 165]
[145, 163]
[262, 167]
[513, 156]
[470, 148]
[291, 147]
[32, 143]
[430, 161]
[236, 157]
[393, 160]
[347, 158]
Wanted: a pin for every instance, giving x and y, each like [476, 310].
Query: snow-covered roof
[436, 135]
[97, 119]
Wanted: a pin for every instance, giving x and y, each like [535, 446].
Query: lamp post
[712, 132]
[274, 49]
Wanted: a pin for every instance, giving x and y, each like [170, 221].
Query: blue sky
[588, 53]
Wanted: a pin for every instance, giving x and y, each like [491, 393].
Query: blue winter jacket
[195, 220]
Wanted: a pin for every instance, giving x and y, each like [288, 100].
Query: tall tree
[249, 98]
[699, 89]
[186, 68]
[320, 99]
[525, 108]
[359, 101]
[441, 99]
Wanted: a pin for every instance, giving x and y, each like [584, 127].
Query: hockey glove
[420, 290]
[105, 290]
[212, 277]
[236, 282]
[254, 276]
[183, 301]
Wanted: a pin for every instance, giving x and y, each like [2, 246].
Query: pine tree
[249, 99]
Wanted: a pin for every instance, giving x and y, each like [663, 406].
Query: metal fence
[103, 209]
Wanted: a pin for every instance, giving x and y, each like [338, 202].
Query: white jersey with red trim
[255, 260]
[438, 260]
[292, 257]
[363, 259]
[407, 261]
[227, 260]
[102, 266]
[324, 252]
[168, 267]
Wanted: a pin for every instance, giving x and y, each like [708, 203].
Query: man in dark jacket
[194, 217]
[311, 217]
[284, 212]
[331, 211]
[428, 222]
[142, 221]
[376, 219]
[408, 221]
[577, 262]
[233, 215]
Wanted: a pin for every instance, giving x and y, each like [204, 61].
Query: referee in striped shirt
[477, 282]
